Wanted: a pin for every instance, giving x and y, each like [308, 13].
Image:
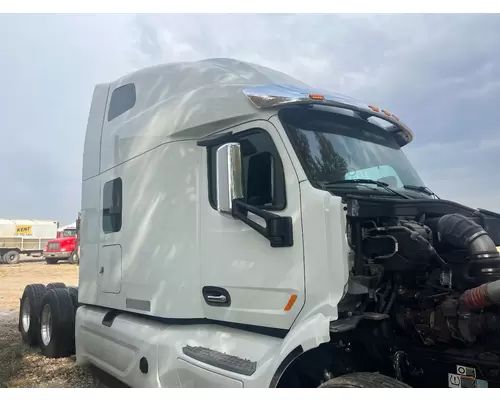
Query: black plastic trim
[216, 291]
[278, 230]
[285, 364]
[220, 360]
[216, 140]
[393, 207]
[261, 330]
[109, 318]
[489, 213]
[143, 365]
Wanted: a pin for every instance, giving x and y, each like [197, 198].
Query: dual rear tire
[57, 324]
[47, 318]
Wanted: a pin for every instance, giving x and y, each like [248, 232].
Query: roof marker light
[396, 118]
[317, 97]
[386, 113]
[376, 109]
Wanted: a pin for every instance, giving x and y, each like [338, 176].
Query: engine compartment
[425, 280]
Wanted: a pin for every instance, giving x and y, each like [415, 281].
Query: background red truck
[64, 247]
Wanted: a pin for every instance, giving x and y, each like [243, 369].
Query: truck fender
[308, 335]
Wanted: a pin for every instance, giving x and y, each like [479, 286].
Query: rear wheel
[51, 260]
[29, 312]
[363, 380]
[57, 324]
[12, 257]
[56, 285]
[73, 292]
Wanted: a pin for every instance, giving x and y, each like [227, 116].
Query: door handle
[216, 296]
[217, 299]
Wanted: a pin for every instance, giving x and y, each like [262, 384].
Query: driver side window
[263, 176]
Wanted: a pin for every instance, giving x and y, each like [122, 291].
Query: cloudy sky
[439, 73]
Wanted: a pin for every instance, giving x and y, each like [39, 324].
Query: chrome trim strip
[273, 96]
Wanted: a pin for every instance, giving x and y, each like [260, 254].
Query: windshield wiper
[366, 181]
[422, 189]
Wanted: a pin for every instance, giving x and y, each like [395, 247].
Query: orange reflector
[316, 97]
[376, 109]
[386, 113]
[396, 118]
[291, 302]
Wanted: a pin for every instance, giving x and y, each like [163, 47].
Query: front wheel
[73, 258]
[363, 380]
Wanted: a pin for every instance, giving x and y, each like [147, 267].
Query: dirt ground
[21, 366]
[14, 278]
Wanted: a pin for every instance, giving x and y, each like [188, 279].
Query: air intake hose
[459, 231]
[482, 296]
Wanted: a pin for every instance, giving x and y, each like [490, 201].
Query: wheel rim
[46, 324]
[11, 257]
[25, 313]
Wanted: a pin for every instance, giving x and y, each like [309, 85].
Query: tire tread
[364, 380]
[33, 293]
[62, 343]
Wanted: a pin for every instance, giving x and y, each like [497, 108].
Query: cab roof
[211, 91]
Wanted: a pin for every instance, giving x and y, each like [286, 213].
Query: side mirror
[229, 176]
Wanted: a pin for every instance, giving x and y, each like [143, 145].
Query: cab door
[245, 281]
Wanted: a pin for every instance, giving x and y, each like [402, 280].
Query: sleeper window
[122, 100]
[263, 176]
[112, 206]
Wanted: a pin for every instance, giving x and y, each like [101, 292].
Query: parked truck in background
[242, 229]
[24, 236]
[62, 248]
[66, 230]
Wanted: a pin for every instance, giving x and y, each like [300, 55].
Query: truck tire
[363, 380]
[12, 257]
[29, 313]
[73, 292]
[57, 324]
[73, 258]
[56, 285]
[51, 260]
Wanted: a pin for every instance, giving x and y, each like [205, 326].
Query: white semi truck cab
[242, 229]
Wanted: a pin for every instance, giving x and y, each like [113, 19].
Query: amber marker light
[317, 97]
[291, 302]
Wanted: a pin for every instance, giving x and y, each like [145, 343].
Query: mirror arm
[278, 230]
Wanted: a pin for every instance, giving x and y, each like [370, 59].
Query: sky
[440, 74]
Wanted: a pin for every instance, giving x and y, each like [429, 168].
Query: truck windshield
[334, 147]
[69, 233]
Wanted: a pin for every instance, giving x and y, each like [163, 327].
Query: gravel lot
[26, 367]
